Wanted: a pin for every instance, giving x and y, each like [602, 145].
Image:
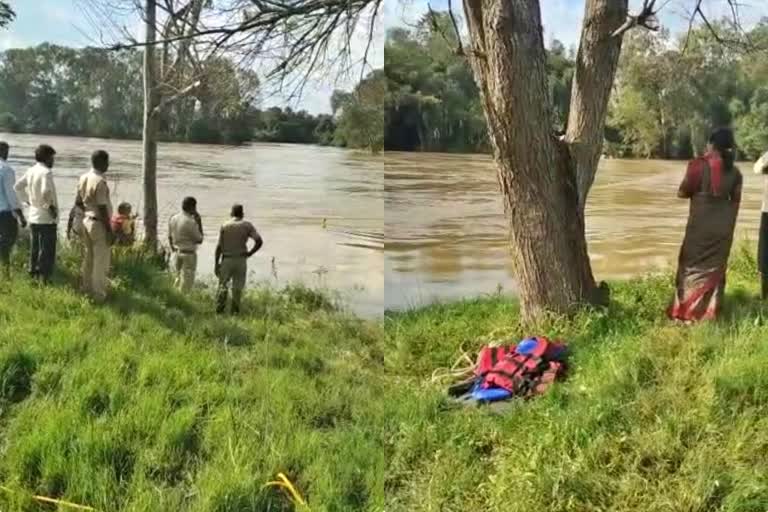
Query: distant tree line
[669, 92]
[93, 92]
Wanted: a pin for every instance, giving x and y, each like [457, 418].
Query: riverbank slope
[154, 403]
[653, 416]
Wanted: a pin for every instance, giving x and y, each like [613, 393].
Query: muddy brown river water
[446, 234]
[401, 230]
[287, 191]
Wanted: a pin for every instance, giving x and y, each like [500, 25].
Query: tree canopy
[361, 123]
[669, 92]
[95, 92]
[89, 91]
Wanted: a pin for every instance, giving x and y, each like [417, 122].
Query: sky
[562, 18]
[62, 22]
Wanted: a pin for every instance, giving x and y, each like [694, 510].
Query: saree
[714, 196]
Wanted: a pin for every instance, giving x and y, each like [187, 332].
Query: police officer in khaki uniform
[232, 255]
[93, 198]
[185, 234]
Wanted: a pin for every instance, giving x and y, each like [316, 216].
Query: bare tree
[545, 179]
[149, 134]
[294, 39]
[166, 79]
[162, 86]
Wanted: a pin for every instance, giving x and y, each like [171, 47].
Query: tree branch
[743, 42]
[646, 18]
[293, 39]
[371, 29]
[170, 99]
[455, 27]
[269, 14]
[6, 14]
[459, 49]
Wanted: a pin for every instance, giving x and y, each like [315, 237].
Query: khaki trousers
[234, 271]
[96, 259]
[186, 267]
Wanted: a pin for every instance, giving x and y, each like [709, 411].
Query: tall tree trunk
[596, 64]
[187, 105]
[149, 136]
[537, 173]
[664, 134]
[183, 64]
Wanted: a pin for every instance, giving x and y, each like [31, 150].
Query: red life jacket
[526, 374]
[490, 356]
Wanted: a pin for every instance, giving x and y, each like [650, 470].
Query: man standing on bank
[185, 234]
[37, 189]
[93, 198]
[232, 257]
[10, 212]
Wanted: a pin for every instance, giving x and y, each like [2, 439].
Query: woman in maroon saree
[713, 185]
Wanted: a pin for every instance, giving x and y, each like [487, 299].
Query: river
[446, 234]
[287, 191]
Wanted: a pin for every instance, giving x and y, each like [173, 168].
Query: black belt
[186, 251]
[230, 256]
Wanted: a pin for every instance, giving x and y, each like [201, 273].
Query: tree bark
[537, 173]
[149, 135]
[596, 64]
[185, 108]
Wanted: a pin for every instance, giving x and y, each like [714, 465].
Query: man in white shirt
[36, 189]
[10, 211]
[761, 167]
[185, 234]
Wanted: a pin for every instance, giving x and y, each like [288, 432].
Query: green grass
[152, 403]
[654, 417]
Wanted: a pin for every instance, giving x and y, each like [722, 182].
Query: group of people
[713, 185]
[93, 223]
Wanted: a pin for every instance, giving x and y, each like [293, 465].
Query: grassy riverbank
[153, 403]
[653, 417]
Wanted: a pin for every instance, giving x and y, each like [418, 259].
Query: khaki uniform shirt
[93, 191]
[184, 232]
[234, 235]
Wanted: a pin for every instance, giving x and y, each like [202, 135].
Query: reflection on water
[287, 191]
[446, 235]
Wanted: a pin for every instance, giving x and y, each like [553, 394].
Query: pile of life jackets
[523, 370]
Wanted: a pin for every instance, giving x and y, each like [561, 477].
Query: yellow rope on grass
[464, 366]
[45, 499]
[282, 481]
[456, 371]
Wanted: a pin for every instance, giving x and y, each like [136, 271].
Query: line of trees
[669, 92]
[94, 92]
[51, 89]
